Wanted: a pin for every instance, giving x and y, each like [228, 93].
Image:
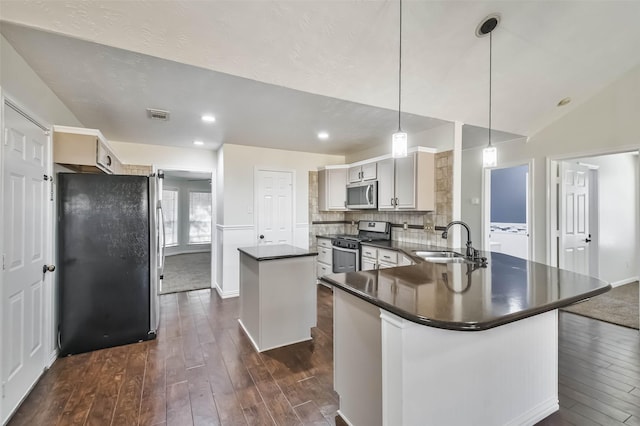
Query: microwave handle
[369, 194]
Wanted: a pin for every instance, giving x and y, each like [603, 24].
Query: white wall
[617, 191]
[165, 157]
[235, 222]
[184, 186]
[239, 164]
[439, 138]
[21, 84]
[607, 122]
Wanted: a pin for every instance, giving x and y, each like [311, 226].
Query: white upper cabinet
[386, 184]
[332, 189]
[362, 172]
[407, 183]
[84, 150]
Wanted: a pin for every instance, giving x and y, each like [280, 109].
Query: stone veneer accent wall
[440, 217]
[132, 169]
[318, 216]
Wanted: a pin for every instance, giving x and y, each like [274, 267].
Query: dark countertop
[464, 297]
[275, 251]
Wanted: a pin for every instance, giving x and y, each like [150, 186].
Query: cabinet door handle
[392, 202]
[396, 201]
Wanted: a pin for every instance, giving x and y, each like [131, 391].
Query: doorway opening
[594, 216]
[188, 205]
[506, 213]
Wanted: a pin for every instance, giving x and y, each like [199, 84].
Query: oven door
[345, 260]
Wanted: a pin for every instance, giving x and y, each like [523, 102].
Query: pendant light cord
[400, 71]
[490, 55]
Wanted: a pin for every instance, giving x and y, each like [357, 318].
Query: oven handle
[348, 250]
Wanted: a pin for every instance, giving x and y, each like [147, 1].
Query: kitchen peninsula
[277, 294]
[451, 343]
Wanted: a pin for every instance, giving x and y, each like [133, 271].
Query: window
[170, 210]
[199, 217]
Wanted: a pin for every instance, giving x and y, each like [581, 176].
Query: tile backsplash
[440, 217]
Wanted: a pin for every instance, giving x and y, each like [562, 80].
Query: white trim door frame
[552, 183]
[257, 174]
[47, 323]
[486, 205]
[214, 211]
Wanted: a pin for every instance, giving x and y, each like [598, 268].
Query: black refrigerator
[110, 259]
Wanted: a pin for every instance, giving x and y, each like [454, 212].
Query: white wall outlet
[428, 227]
[405, 226]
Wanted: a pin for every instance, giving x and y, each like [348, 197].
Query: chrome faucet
[471, 253]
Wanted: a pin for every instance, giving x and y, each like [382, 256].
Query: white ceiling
[109, 89]
[543, 51]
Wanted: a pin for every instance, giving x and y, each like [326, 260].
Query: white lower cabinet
[367, 264]
[325, 257]
[369, 259]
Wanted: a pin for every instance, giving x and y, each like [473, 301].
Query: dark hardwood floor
[202, 370]
[599, 374]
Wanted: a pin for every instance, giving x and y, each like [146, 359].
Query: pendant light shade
[490, 153]
[399, 144]
[489, 157]
[399, 138]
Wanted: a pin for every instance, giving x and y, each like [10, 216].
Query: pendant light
[489, 154]
[399, 138]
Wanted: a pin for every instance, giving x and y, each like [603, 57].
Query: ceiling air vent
[158, 114]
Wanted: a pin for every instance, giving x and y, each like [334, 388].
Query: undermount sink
[441, 256]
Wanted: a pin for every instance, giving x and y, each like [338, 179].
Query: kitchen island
[451, 343]
[277, 294]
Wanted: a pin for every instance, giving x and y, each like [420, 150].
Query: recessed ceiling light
[208, 118]
[564, 101]
[198, 143]
[323, 136]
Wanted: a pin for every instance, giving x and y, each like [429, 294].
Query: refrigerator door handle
[162, 244]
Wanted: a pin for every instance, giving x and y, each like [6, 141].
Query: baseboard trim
[344, 418]
[253, 342]
[227, 295]
[52, 358]
[175, 253]
[623, 282]
[537, 413]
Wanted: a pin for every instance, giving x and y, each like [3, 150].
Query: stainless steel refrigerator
[110, 260]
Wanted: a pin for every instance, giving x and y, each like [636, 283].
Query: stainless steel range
[346, 248]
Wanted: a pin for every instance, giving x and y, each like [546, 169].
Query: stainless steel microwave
[362, 195]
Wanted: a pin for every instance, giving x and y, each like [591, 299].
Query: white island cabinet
[277, 295]
[453, 344]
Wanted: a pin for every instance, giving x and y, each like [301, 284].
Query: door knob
[48, 268]
[588, 239]
[261, 237]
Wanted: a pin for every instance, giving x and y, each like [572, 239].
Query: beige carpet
[617, 306]
[184, 272]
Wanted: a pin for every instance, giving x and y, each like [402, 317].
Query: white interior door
[275, 207]
[25, 150]
[574, 217]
